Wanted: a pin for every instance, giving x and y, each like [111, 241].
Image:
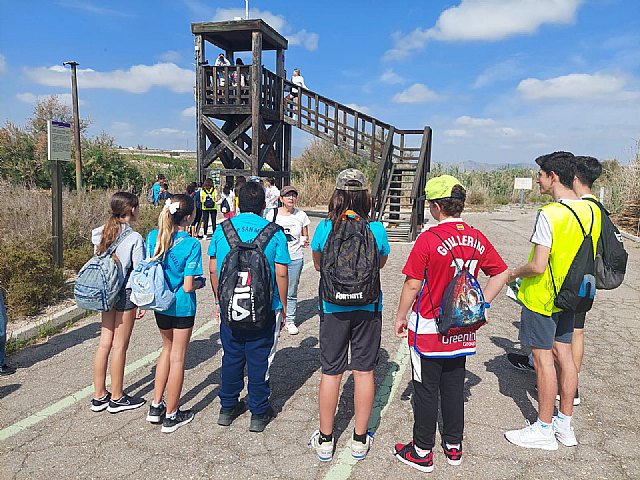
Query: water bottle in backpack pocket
[99, 281]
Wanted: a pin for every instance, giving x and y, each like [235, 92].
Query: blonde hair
[167, 221]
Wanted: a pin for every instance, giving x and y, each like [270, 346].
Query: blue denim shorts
[540, 331]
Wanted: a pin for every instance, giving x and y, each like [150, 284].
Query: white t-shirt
[292, 226]
[271, 195]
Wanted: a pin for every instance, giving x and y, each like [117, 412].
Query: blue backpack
[99, 282]
[149, 287]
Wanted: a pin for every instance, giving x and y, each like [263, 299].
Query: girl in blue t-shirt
[357, 328]
[181, 257]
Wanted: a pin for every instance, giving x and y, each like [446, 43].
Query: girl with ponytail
[117, 323]
[182, 261]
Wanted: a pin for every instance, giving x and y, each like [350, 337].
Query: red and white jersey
[432, 257]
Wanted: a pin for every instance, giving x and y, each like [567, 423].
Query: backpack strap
[584, 233]
[118, 240]
[602, 207]
[230, 233]
[266, 234]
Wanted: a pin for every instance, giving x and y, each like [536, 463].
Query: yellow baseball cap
[441, 187]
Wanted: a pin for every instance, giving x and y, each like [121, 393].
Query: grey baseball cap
[351, 175]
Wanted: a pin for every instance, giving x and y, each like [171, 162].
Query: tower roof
[235, 35]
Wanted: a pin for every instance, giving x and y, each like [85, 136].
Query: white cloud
[137, 79]
[170, 56]
[468, 121]
[168, 132]
[508, 132]
[3, 64]
[32, 98]
[501, 71]
[359, 108]
[308, 40]
[456, 133]
[121, 127]
[416, 93]
[391, 77]
[189, 112]
[486, 20]
[577, 86]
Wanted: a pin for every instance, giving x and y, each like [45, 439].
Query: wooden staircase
[403, 157]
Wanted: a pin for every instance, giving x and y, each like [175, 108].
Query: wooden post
[256, 75]
[56, 213]
[200, 94]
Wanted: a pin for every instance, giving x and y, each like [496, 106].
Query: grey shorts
[540, 331]
[359, 329]
[124, 303]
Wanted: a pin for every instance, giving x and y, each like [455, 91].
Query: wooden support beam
[233, 136]
[270, 136]
[220, 135]
[256, 78]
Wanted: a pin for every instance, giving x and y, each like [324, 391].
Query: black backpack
[224, 206]
[209, 202]
[579, 286]
[245, 287]
[611, 257]
[350, 265]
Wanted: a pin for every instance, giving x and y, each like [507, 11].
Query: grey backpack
[98, 281]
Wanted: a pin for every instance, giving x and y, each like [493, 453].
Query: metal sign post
[522, 184]
[59, 149]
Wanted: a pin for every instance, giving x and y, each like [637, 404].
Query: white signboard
[59, 134]
[523, 183]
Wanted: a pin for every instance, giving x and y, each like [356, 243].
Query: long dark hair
[122, 204]
[342, 200]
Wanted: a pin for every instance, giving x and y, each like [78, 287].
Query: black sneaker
[125, 403]
[99, 404]
[521, 362]
[7, 369]
[156, 414]
[228, 415]
[453, 454]
[259, 422]
[407, 454]
[172, 424]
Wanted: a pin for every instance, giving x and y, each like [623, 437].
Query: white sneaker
[291, 328]
[532, 436]
[359, 450]
[324, 450]
[565, 437]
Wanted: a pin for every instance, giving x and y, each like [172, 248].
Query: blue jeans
[295, 270]
[3, 328]
[255, 350]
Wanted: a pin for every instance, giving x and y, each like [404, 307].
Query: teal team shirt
[317, 245]
[248, 226]
[184, 259]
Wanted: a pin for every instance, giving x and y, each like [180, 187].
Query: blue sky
[499, 81]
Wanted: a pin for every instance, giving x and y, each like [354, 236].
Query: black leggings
[205, 220]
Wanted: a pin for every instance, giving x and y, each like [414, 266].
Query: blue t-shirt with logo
[317, 245]
[184, 259]
[248, 226]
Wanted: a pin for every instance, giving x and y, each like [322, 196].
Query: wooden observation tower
[245, 114]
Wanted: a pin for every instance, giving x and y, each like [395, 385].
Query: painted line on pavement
[69, 400]
[386, 391]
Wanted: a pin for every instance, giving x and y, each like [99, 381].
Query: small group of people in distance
[438, 360]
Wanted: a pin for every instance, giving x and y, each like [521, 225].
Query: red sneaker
[453, 454]
[407, 454]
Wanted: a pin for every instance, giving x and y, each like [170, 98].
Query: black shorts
[123, 302]
[579, 323]
[359, 329]
[167, 322]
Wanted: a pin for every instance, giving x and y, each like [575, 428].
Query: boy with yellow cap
[438, 361]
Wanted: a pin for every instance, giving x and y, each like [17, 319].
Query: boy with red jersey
[437, 361]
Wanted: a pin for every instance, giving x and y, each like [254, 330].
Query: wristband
[487, 305]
